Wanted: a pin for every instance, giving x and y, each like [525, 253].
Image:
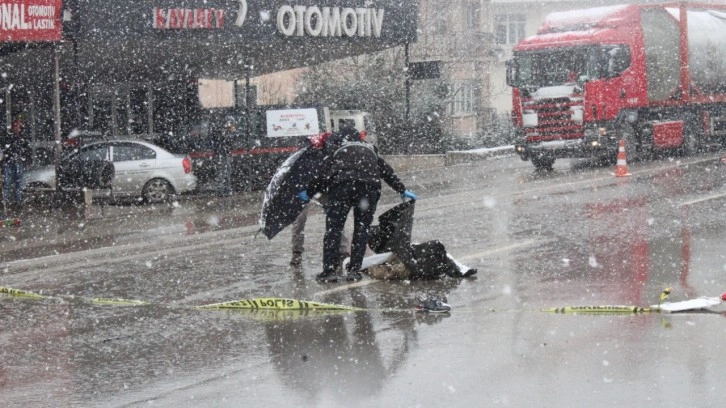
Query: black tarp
[393, 230]
[427, 260]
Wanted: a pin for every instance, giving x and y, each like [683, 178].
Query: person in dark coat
[352, 179]
[16, 154]
[298, 226]
[222, 143]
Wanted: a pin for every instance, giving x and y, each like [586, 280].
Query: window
[509, 28]
[472, 16]
[344, 123]
[440, 17]
[94, 152]
[466, 98]
[126, 152]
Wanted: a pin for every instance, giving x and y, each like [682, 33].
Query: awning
[218, 38]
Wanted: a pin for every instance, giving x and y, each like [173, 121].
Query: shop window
[139, 118]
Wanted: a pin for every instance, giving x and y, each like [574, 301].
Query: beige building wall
[215, 93]
[276, 88]
[458, 33]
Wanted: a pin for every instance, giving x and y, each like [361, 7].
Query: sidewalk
[45, 231]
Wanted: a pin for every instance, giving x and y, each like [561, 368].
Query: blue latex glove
[303, 196]
[409, 194]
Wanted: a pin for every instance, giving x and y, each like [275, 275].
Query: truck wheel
[543, 162]
[627, 133]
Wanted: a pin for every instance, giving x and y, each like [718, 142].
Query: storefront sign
[329, 21]
[224, 38]
[181, 18]
[292, 122]
[30, 20]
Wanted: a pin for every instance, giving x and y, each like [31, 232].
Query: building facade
[458, 34]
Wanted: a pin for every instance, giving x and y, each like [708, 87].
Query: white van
[362, 121]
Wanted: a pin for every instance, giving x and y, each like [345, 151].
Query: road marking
[507, 248]
[700, 200]
[346, 287]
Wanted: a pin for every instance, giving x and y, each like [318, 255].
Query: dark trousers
[12, 182]
[362, 198]
[224, 175]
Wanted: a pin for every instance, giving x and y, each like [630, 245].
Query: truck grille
[554, 119]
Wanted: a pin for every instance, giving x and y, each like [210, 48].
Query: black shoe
[427, 303]
[296, 259]
[353, 276]
[469, 272]
[327, 277]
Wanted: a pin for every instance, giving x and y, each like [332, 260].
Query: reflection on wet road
[574, 236]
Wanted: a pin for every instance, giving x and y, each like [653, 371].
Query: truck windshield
[564, 66]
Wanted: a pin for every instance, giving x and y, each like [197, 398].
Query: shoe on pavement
[327, 277]
[427, 303]
[296, 259]
[353, 276]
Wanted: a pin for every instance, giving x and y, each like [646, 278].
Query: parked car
[142, 169]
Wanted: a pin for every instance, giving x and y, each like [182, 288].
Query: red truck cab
[592, 77]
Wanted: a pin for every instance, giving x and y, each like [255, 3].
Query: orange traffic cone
[621, 169]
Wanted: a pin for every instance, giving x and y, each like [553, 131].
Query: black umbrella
[281, 205]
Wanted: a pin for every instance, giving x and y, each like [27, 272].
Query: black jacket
[15, 148]
[349, 159]
[221, 140]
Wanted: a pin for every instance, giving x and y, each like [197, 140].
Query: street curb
[461, 157]
[405, 163]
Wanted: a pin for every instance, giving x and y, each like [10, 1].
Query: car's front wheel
[157, 191]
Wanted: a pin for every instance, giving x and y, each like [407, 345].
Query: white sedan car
[142, 169]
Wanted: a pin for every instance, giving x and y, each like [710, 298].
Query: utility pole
[56, 110]
[408, 83]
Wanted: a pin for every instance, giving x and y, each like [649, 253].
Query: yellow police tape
[608, 309]
[20, 293]
[276, 304]
[257, 303]
[274, 315]
[284, 304]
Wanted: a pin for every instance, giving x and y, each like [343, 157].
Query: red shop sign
[30, 20]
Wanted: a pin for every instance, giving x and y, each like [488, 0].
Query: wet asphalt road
[574, 236]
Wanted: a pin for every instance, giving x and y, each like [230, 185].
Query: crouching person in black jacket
[352, 179]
